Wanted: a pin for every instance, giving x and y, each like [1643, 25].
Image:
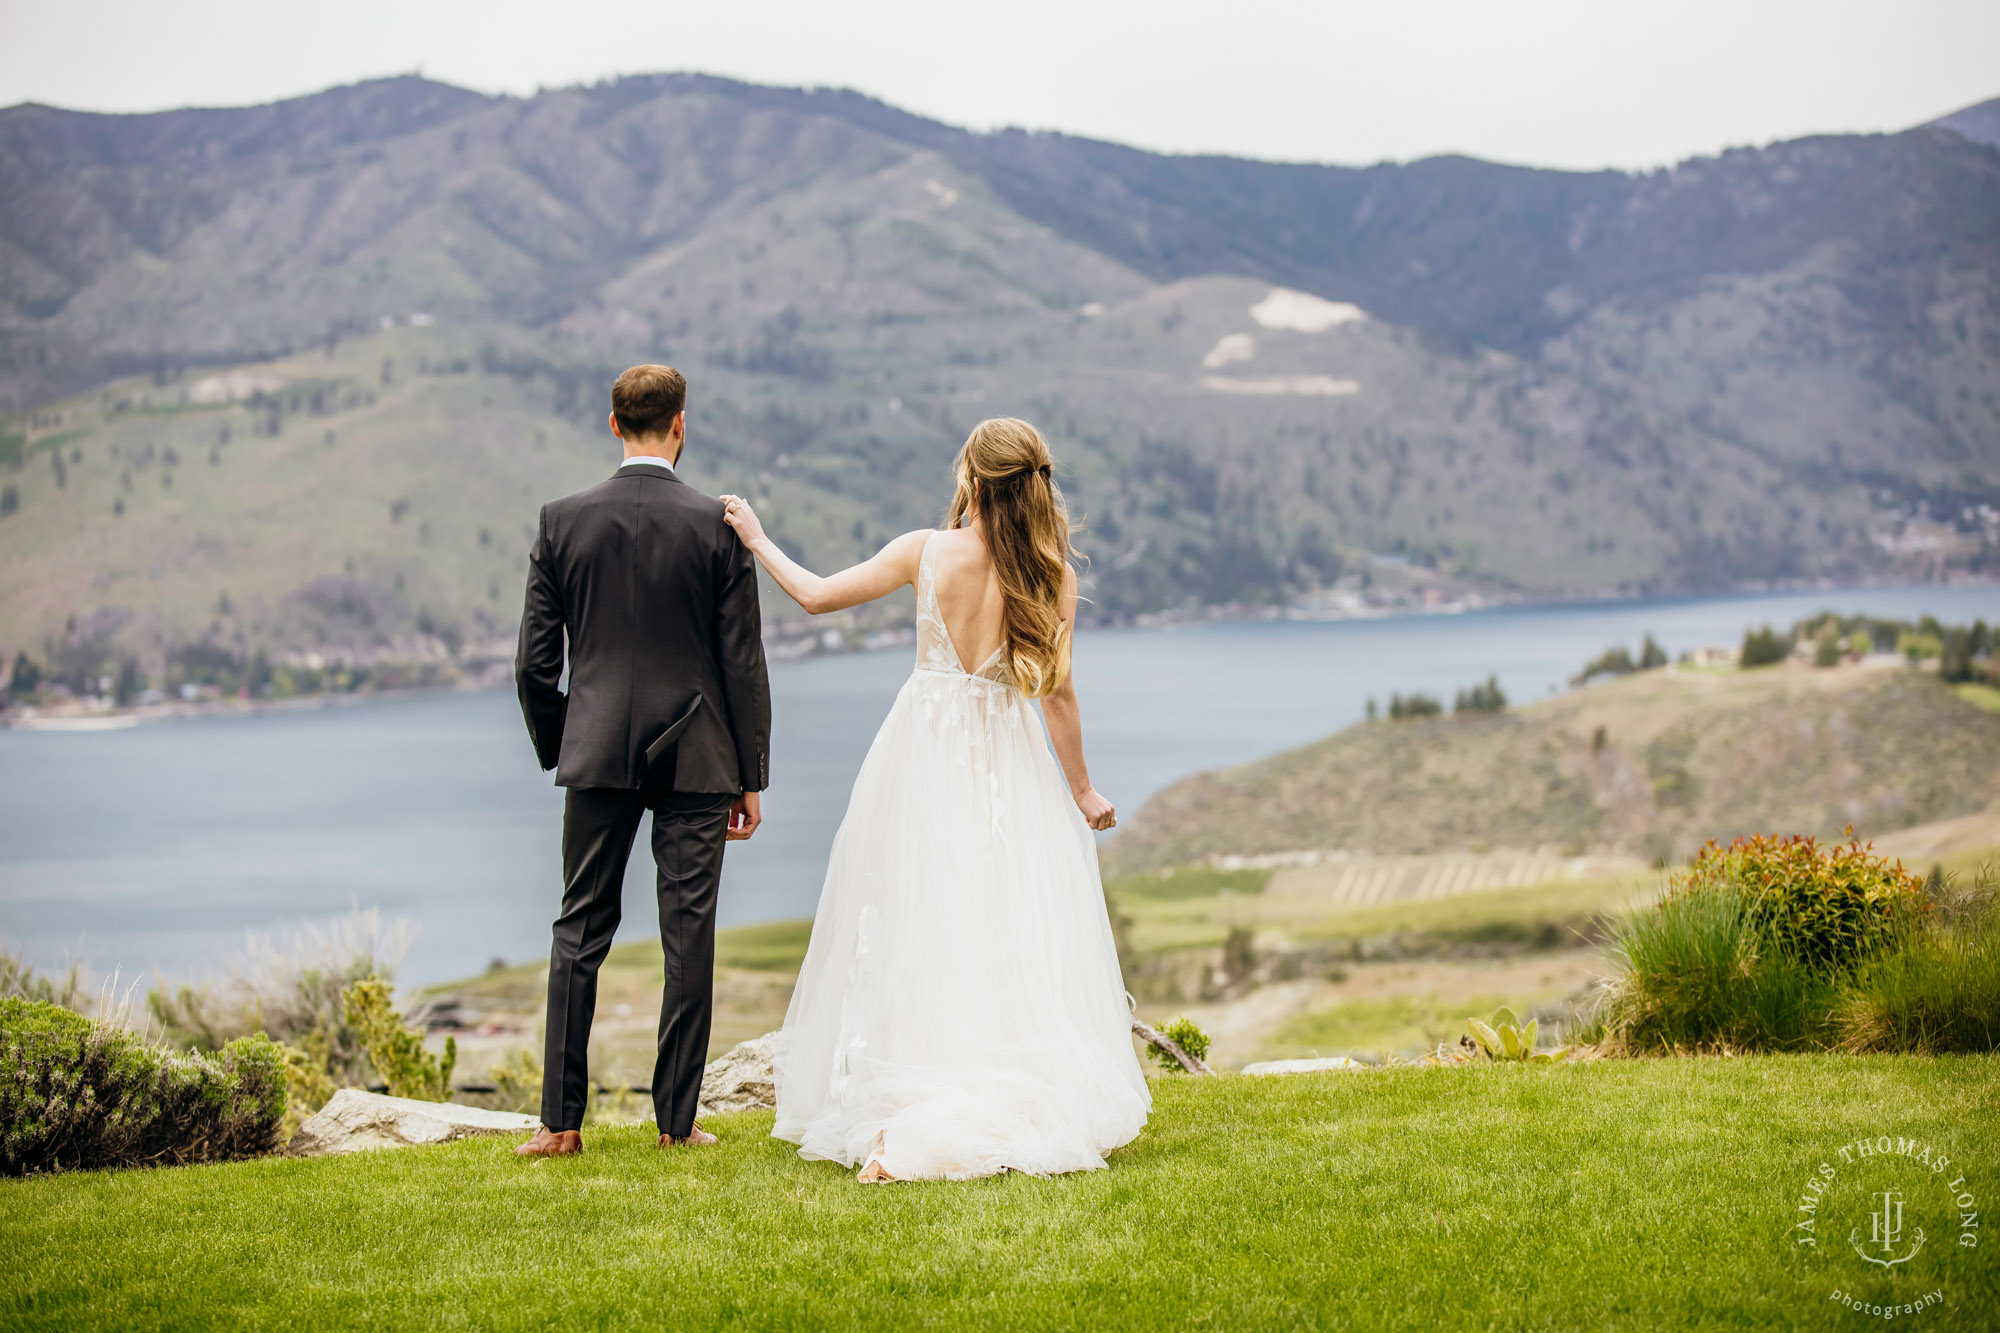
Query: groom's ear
[616, 433]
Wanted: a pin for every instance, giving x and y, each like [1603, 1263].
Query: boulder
[355, 1121]
[1302, 1066]
[740, 1079]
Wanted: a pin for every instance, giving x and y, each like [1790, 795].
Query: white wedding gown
[960, 1010]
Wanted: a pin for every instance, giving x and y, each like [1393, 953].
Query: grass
[777, 946]
[1188, 882]
[1550, 915]
[1631, 1194]
[1378, 1026]
[754, 967]
[1985, 696]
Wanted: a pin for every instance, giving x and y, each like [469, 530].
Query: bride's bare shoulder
[905, 551]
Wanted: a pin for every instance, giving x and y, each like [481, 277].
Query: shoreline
[789, 649]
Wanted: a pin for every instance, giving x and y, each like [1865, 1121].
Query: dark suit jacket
[667, 687]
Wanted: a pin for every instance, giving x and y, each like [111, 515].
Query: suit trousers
[599, 825]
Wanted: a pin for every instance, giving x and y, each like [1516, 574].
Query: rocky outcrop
[355, 1121]
[740, 1079]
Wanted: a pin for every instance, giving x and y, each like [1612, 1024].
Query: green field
[1626, 1194]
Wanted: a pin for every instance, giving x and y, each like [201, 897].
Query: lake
[158, 847]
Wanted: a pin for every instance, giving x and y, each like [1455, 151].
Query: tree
[1651, 655]
[129, 683]
[1955, 659]
[1417, 705]
[1615, 661]
[1763, 647]
[27, 676]
[1486, 698]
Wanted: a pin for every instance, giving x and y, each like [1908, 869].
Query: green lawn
[1378, 1027]
[1986, 696]
[1631, 1194]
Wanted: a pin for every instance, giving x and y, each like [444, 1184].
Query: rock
[1302, 1066]
[740, 1079]
[355, 1121]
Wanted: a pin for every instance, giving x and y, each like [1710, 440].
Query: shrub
[1699, 974]
[1417, 705]
[77, 1094]
[1614, 661]
[1775, 944]
[1764, 647]
[517, 1081]
[19, 978]
[1938, 993]
[307, 1086]
[396, 1051]
[1829, 908]
[1185, 1033]
[1957, 658]
[1918, 647]
[291, 987]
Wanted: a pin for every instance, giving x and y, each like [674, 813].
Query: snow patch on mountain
[1302, 312]
[1229, 348]
[1310, 386]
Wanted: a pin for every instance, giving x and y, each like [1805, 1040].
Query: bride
[960, 1010]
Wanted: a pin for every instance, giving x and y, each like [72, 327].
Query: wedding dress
[960, 1010]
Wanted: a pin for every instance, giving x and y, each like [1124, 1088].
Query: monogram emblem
[1885, 1232]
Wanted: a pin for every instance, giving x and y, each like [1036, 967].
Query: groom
[668, 710]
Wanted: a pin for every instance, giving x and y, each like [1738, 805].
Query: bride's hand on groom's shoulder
[1097, 812]
[738, 514]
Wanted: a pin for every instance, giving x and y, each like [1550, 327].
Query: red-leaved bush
[1827, 907]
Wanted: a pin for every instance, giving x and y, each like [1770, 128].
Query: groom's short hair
[646, 399]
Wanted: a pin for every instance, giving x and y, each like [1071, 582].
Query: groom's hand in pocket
[746, 812]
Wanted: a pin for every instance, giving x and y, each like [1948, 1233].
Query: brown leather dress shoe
[697, 1138]
[551, 1143]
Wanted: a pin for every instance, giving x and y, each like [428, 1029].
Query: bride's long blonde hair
[1027, 531]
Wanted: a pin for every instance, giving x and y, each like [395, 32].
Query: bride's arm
[1065, 722]
[878, 576]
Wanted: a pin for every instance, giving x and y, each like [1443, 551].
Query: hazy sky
[1577, 83]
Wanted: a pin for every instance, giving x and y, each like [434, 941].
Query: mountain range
[296, 376]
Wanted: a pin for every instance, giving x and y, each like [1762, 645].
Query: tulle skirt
[960, 1010]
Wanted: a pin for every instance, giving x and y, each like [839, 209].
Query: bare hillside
[1651, 765]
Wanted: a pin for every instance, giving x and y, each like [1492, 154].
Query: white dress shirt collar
[648, 460]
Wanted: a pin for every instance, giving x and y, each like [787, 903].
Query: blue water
[159, 846]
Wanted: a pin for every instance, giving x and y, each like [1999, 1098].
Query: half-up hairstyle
[1027, 530]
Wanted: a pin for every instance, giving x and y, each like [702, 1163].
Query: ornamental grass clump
[76, 1094]
[1940, 992]
[1758, 946]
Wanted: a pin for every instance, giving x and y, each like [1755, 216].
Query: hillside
[1650, 765]
[1265, 380]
